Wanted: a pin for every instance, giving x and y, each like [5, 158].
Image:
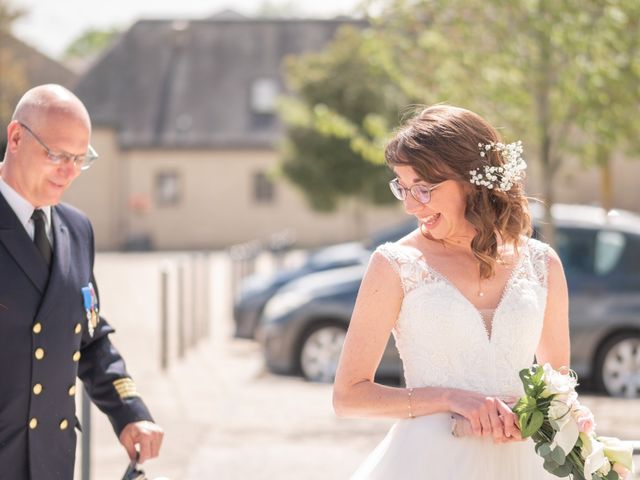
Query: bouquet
[564, 430]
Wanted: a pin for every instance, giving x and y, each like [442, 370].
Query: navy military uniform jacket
[45, 344]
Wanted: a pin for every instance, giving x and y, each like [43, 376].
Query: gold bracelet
[410, 394]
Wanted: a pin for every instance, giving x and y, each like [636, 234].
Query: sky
[50, 25]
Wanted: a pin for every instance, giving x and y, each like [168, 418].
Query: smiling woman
[469, 298]
[455, 136]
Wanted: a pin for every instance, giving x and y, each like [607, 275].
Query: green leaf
[549, 465]
[525, 404]
[544, 450]
[526, 376]
[563, 470]
[532, 380]
[612, 475]
[532, 423]
[539, 446]
[537, 376]
[558, 456]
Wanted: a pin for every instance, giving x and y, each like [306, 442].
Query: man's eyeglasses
[83, 162]
[420, 191]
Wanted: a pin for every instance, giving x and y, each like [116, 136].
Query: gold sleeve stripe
[125, 388]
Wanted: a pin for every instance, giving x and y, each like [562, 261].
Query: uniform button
[33, 423]
[72, 390]
[76, 356]
[64, 424]
[37, 389]
[39, 353]
[78, 328]
[37, 327]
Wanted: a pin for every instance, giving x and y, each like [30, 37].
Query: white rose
[557, 383]
[559, 414]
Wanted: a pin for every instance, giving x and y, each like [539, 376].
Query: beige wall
[217, 208]
[98, 191]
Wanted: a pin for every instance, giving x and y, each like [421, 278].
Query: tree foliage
[344, 103]
[562, 76]
[611, 92]
[90, 43]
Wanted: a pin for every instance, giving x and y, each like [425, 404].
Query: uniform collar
[21, 206]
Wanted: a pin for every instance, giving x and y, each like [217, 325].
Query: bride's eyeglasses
[420, 191]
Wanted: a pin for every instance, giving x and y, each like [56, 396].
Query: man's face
[36, 178]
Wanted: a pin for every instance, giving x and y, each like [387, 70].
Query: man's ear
[14, 135]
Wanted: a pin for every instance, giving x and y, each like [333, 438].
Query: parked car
[303, 326]
[256, 290]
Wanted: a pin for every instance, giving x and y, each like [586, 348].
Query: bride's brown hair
[441, 143]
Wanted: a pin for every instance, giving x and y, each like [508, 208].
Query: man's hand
[148, 437]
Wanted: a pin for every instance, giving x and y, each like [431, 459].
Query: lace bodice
[442, 338]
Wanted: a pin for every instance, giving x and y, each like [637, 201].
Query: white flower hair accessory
[501, 177]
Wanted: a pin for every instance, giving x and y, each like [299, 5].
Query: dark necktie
[40, 235]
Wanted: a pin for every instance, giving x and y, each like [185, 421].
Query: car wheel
[618, 366]
[320, 351]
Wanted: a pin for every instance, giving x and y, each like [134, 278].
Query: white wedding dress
[443, 342]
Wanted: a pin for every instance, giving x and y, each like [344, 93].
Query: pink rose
[584, 418]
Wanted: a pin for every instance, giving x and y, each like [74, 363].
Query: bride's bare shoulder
[409, 240]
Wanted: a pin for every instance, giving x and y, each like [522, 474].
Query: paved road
[225, 416]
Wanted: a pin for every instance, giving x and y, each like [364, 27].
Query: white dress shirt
[23, 210]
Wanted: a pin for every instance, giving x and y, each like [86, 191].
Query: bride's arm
[554, 345]
[355, 394]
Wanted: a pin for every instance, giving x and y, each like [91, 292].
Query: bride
[470, 299]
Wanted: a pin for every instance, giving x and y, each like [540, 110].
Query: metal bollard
[206, 295]
[181, 311]
[194, 300]
[164, 319]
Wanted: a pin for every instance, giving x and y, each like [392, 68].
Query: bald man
[50, 330]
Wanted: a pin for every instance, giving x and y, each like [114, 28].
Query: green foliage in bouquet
[550, 414]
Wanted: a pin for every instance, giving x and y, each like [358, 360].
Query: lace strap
[539, 259]
[406, 262]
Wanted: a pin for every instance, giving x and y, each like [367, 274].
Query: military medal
[90, 300]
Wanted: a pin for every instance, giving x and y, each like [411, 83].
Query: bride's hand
[485, 416]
